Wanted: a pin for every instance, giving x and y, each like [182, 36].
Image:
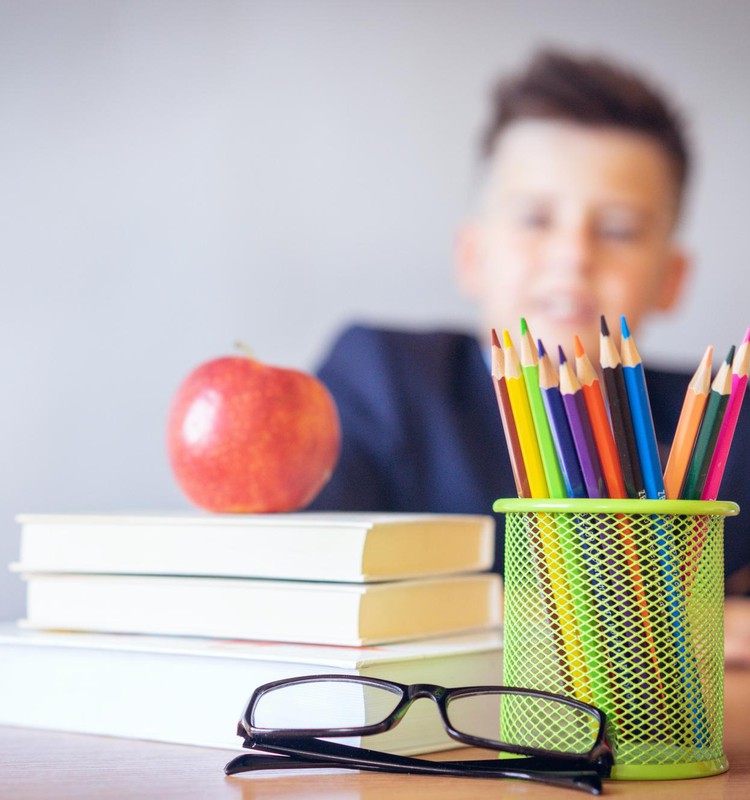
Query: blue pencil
[643, 423]
[558, 421]
[673, 595]
[580, 428]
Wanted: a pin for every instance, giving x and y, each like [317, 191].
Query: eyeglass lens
[524, 720]
[324, 704]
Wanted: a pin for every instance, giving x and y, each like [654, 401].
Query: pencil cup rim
[722, 508]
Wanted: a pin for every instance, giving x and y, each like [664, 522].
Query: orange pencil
[605, 441]
[687, 427]
[506, 416]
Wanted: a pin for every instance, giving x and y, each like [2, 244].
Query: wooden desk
[38, 765]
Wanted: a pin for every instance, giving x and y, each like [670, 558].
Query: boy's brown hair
[589, 91]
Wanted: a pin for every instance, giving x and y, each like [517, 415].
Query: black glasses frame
[303, 748]
[442, 696]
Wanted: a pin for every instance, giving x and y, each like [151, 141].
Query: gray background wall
[178, 175]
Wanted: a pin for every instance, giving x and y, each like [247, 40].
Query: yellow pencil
[551, 565]
[519, 403]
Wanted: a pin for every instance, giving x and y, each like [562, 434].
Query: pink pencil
[740, 369]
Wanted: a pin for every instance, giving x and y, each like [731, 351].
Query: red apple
[244, 436]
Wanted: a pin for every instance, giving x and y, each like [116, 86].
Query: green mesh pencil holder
[619, 603]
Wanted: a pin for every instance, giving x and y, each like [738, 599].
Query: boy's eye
[619, 228]
[620, 233]
[534, 219]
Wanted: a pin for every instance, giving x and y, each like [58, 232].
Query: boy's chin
[563, 335]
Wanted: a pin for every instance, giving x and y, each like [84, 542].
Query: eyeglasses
[558, 740]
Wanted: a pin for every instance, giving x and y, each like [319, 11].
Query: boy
[586, 168]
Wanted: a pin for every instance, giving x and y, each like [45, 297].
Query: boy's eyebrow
[618, 205]
[642, 216]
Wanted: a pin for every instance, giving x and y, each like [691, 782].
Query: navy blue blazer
[422, 432]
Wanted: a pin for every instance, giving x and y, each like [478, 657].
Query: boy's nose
[572, 250]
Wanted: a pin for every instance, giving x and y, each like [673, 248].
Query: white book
[239, 608]
[193, 691]
[328, 546]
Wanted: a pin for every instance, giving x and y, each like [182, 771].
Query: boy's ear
[468, 259]
[675, 276]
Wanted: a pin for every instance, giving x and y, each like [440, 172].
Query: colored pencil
[613, 477]
[554, 594]
[597, 410]
[566, 451]
[530, 369]
[640, 409]
[687, 427]
[708, 433]
[740, 370]
[580, 428]
[680, 640]
[554, 589]
[619, 410]
[506, 416]
[583, 563]
[519, 402]
[582, 634]
[718, 459]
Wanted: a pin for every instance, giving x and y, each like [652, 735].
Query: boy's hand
[737, 632]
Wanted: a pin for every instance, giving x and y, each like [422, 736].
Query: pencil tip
[541, 352]
[524, 326]
[578, 346]
[730, 355]
[495, 338]
[624, 327]
[561, 354]
[507, 341]
[747, 337]
[603, 325]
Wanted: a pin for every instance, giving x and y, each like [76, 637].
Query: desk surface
[42, 765]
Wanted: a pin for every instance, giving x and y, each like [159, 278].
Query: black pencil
[619, 410]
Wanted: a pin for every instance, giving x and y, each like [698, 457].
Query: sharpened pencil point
[747, 337]
[578, 347]
[524, 326]
[507, 341]
[603, 325]
[624, 327]
[495, 338]
[730, 355]
[561, 354]
[540, 348]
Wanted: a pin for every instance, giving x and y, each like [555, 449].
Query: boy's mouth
[566, 309]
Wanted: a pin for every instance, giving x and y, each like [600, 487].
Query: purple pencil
[558, 421]
[580, 428]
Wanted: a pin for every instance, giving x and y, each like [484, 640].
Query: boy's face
[575, 222]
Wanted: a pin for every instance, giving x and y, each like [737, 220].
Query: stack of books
[160, 627]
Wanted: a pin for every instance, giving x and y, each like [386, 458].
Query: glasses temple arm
[312, 748]
[314, 753]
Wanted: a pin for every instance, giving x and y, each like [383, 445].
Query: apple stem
[243, 348]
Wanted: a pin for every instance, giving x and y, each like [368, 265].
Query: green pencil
[530, 369]
[708, 433]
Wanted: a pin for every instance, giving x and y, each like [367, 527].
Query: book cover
[193, 691]
[296, 611]
[328, 546]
